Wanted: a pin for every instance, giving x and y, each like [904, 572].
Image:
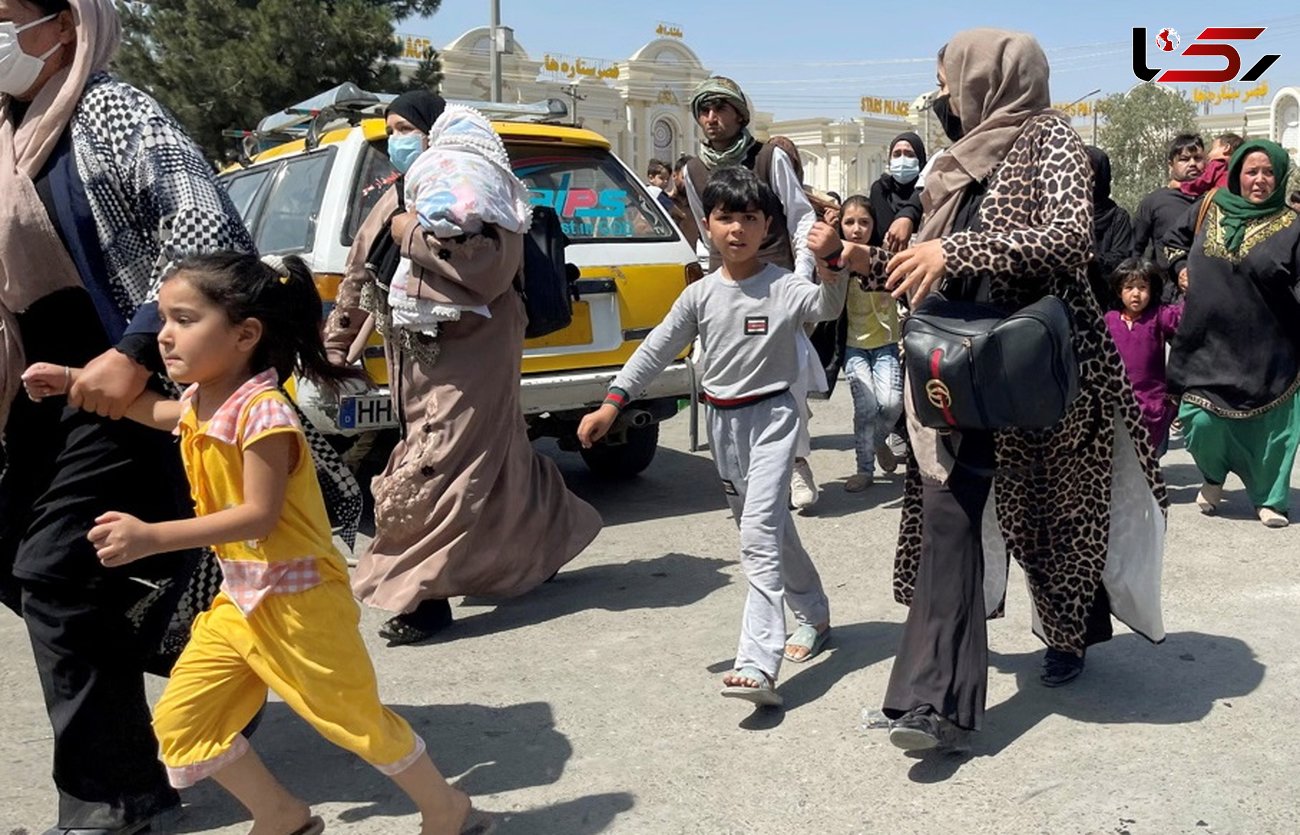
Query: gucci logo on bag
[936, 391]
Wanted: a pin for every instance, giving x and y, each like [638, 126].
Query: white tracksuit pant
[754, 449]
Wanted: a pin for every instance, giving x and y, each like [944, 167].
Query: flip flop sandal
[809, 638]
[764, 695]
[313, 826]
[478, 823]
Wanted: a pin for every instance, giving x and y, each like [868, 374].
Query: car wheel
[626, 460]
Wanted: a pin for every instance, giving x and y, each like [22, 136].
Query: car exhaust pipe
[638, 418]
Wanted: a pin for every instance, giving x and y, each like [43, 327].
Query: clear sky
[819, 57]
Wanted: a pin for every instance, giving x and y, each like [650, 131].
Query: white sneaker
[858, 482]
[803, 489]
[1209, 497]
[1272, 519]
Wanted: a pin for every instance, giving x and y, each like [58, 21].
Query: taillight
[694, 272]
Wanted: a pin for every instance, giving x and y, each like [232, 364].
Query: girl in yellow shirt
[233, 326]
[870, 360]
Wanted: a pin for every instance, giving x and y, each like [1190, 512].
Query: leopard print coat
[1053, 492]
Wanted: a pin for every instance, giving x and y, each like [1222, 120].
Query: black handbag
[972, 366]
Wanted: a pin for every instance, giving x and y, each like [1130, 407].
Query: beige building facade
[641, 104]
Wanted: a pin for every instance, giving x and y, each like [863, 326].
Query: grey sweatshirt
[747, 328]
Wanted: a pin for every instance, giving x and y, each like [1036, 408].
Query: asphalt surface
[591, 704]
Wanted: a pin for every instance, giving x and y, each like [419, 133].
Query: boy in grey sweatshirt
[747, 317]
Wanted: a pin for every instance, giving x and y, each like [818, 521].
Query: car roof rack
[349, 104]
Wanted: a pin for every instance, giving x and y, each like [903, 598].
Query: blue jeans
[876, 383]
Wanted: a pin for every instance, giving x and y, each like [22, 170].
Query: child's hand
[596, 424]
[899, 234]
[45, 379]
[120, 538]
[823, 239]
[831, 216]
[1182, 279]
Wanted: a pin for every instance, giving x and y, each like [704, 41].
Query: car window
[245, 187]
[594, 195]
[287, 222]
[374, 175]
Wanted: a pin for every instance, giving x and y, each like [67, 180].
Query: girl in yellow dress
[233, 326]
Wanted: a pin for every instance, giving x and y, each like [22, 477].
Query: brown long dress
[465, 505]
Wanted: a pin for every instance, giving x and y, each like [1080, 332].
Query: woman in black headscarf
[371, 262]
[892, 195]
[1112, 230]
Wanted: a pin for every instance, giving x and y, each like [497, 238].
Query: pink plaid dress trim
[224, 425]
[182, 777]
[247, 582]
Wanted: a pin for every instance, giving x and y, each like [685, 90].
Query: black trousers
[63, 468]
[942, 660]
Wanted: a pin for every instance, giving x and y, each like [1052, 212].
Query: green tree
[221, 64]
[428, 75]
[1138, 127]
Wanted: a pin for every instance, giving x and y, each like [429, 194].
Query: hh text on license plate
[366, 411]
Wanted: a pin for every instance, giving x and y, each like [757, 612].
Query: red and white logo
[1167, 40]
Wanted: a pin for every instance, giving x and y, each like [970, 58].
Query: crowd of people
[135, 312]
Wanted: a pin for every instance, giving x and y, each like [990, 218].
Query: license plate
[366, 411]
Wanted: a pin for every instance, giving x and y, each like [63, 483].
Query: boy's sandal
[478, 823]
[763, 695]
[809, 638]
[313, 826]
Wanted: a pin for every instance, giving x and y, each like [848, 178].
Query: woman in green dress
[1235, 361]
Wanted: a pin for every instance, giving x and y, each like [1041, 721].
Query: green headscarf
[1236, 211]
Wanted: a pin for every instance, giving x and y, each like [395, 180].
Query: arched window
[1288, 124]
[665, 140]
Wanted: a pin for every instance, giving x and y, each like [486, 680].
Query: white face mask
[18, 70]
[904, 169]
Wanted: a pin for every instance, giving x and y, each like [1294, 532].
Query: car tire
[626, 460]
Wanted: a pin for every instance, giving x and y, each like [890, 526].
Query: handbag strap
[1204, 210]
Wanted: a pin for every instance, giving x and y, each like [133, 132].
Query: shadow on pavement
[1127, 681]
[833, 502]
[584, 816]
[668, 581]
[675, 484]
[489, 749]
[852, 647]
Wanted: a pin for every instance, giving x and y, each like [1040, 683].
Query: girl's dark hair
[49, 7]
[285, 302]
[737, 189]
[1137, 267]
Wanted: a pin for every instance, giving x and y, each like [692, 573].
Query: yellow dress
[285, 617]
[873, 318]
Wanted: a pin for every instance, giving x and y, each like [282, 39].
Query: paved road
[591, 705]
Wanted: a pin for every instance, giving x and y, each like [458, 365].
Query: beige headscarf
[33, 260]
[998, 80]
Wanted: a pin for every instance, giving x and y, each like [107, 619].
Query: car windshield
[594, 196]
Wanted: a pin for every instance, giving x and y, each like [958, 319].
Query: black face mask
[950, 121]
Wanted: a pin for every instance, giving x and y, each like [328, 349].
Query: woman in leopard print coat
[1080, 505]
